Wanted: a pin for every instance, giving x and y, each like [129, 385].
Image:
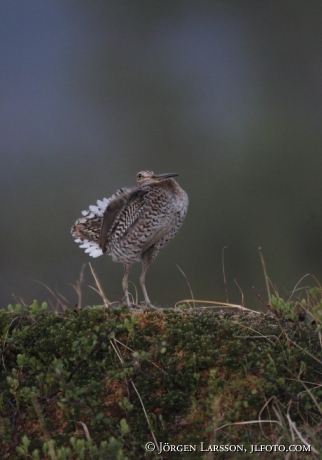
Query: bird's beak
[164, 176]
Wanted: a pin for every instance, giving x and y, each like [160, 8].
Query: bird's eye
[139, 176]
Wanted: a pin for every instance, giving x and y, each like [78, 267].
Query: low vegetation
[101, 383]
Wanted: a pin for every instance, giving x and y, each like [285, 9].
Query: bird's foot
[126, 300]
[140, 306]
[149, 305]
[136, 307]
[130, 305]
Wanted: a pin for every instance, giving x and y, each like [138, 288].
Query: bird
[134, 224]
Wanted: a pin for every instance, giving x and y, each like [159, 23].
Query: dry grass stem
[295, 287]
[78, 287]
[136, 294]
[241, 292]
[248, 423]
[265, 274]
[223, 271]
[58, 300]
[5, 341]
[312, 397]
[85, 430]
[128, 348]
[20, 299]
[294, 428]
[186, 278]
[305, 351]
[119, 354]
[217, 304]
[40, 416]
[261, 335]
[99, 287]
[261, 411]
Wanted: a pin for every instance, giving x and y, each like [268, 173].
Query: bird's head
[148, 177]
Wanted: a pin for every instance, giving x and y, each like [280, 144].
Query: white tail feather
[86, 244]
[101, 205]
[96, 252]
[90, 247]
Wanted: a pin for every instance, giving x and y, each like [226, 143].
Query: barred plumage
[134, 223]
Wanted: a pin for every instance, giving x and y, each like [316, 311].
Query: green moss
[68, 381]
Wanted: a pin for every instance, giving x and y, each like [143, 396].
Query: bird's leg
[146, 262]
[125, 284]
[142, 282]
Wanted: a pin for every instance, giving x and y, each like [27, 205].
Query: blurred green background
[226, 93]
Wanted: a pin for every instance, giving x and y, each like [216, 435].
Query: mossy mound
[100, 383]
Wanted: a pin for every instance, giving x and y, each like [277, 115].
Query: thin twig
[247, 423]
[125, 346]
[4, 348]
[136, 294]
[186, 278]
[265, 274]
[267, 305]
[40, 416]
[217, 304]
[261, 335]
[117, 351]
[106, 426]
[260, 414]
[88, 436]
[78, 287]
[20, 299]
[223, 270]
[254, 336]
[64, 307]
[293, 427]
[241, 292]
[107, 303]
[97, 346]
[294, 289]
[14, 415]
[7, 347]
[304, 350]
[294, 397]
[312, 397]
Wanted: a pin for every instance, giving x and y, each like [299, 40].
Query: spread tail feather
[86, 230]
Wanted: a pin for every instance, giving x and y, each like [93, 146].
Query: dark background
[226, 93]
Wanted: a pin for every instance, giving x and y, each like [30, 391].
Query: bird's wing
[120, 214]
[87, 229]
